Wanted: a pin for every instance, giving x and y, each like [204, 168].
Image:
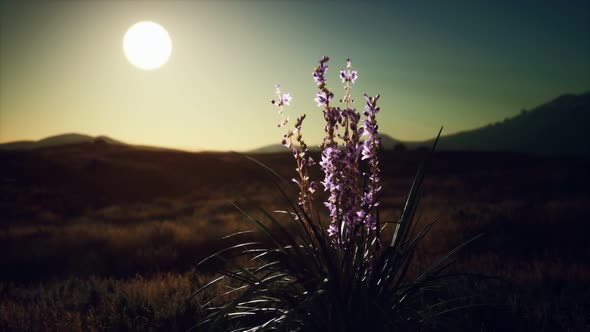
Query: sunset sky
[62, 66]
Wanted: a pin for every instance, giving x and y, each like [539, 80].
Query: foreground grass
[123, 266]
[157, 303]
[116, 275]
[161, 303]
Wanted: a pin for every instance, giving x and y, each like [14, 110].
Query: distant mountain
[559, 127]
[58, 140]
[390, 143]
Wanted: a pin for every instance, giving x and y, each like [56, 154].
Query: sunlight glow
[147, 45]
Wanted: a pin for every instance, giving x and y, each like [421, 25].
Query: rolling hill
[559, 127]
[58, 140]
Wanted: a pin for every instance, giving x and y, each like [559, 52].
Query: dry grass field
[102, 237]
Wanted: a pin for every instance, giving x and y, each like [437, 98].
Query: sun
[147, 45]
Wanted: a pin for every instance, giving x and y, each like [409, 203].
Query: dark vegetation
[100, 236]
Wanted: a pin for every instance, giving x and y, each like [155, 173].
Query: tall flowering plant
[349, 203]
[341, 276]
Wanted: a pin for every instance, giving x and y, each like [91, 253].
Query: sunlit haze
[63, 69]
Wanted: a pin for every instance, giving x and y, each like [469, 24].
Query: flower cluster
[306, 187]
[371, 147]
[312, 276]
[319, 74]
[352, 194]
[350, 173]
[280, 102]
[348, 76]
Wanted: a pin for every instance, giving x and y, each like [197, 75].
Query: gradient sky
[461, 64]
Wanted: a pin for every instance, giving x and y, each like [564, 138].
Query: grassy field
[100, 237]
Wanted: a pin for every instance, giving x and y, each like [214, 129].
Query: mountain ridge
[58, 140]
[558, 127]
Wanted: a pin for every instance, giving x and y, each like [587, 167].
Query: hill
[58, 140]
[559, 127]
[96, 225]
[73, 177]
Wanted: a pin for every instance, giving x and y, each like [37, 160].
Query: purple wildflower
[370, 151]
[323, 98]
[284, 99]
[349, 200]
[371, 128]
[348, 75]
[350, 169]
[331, 182]
[320, 72]
[350, 174]
[301, 155]
[330, 162]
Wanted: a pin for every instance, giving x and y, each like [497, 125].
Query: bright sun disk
[147, 45]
